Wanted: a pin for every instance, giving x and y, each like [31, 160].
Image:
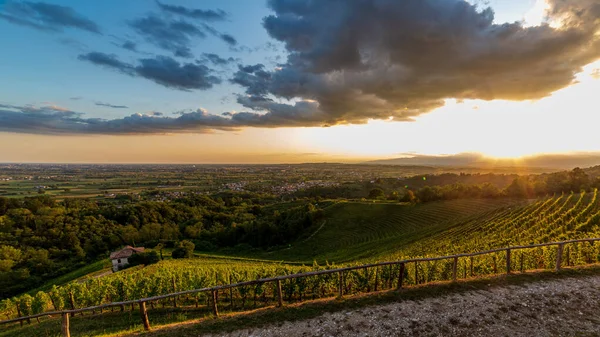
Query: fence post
[174, 290]
[521, 262]
[454, 268]
[471, 258]
[65, 325]
[279, 294]
[559, 253]
[376, 277]
[72, 302]
[508, 261]
[341, 284]
[144, 314]
[401, 275]
[416, 273]
[214, 303]
[19, 314]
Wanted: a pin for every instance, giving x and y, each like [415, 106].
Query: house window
[118, 260]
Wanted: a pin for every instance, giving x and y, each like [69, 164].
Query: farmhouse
[119, 258]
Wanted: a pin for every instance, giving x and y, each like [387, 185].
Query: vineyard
[456, 229]
[557, 218]
[367, 231]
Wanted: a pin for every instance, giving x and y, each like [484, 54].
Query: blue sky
[287, 78]
[40, 66]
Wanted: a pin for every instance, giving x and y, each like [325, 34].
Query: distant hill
[550, 161]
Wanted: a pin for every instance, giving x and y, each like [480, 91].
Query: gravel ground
[565, 307]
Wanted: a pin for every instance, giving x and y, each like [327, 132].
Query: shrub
[145, 258]
[184, 250]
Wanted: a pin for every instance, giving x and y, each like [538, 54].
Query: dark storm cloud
[47, 17]
[161, 69]
[201, 14]
[399, 59]
[174, 36]
[254, 78]
[108, 105]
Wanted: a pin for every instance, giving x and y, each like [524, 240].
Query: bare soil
[560, 307]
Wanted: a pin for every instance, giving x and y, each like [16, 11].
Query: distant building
[119, 258]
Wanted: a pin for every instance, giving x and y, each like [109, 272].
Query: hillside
[351, 233]
[356, 231]
[377, 232]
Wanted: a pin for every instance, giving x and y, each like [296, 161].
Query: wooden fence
[277, 281]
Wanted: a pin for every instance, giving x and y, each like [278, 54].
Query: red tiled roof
[126, 252]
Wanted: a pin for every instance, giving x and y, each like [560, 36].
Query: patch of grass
[75, 274]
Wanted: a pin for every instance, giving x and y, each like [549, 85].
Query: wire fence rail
[510, 265]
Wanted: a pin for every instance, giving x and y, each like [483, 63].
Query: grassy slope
[359, 231]
[87, 271]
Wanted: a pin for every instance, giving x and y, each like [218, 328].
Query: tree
[146, 258]
[409, 196]
[428, 193]
[376, 193]
[185, 250]
[579, 180]
[521, 187]
[160, 248]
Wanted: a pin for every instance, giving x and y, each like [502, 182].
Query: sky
[253, 81]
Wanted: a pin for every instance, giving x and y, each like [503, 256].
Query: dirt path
[561, 307]
[317, 231]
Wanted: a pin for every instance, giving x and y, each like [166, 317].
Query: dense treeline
[532, 186]
[41, 238]
[425, 188]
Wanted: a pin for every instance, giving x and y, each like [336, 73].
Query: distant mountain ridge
[555, 161]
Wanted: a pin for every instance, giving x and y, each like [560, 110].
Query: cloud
[206, 15]
[53, 121]
[161, 69]
[111, 105]
[129, 45]
[169, 73]
[174, 36]
[108, 61]
[400, 59]
[596, 73]
[230, 40]
[46, 17]
[216, 59]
